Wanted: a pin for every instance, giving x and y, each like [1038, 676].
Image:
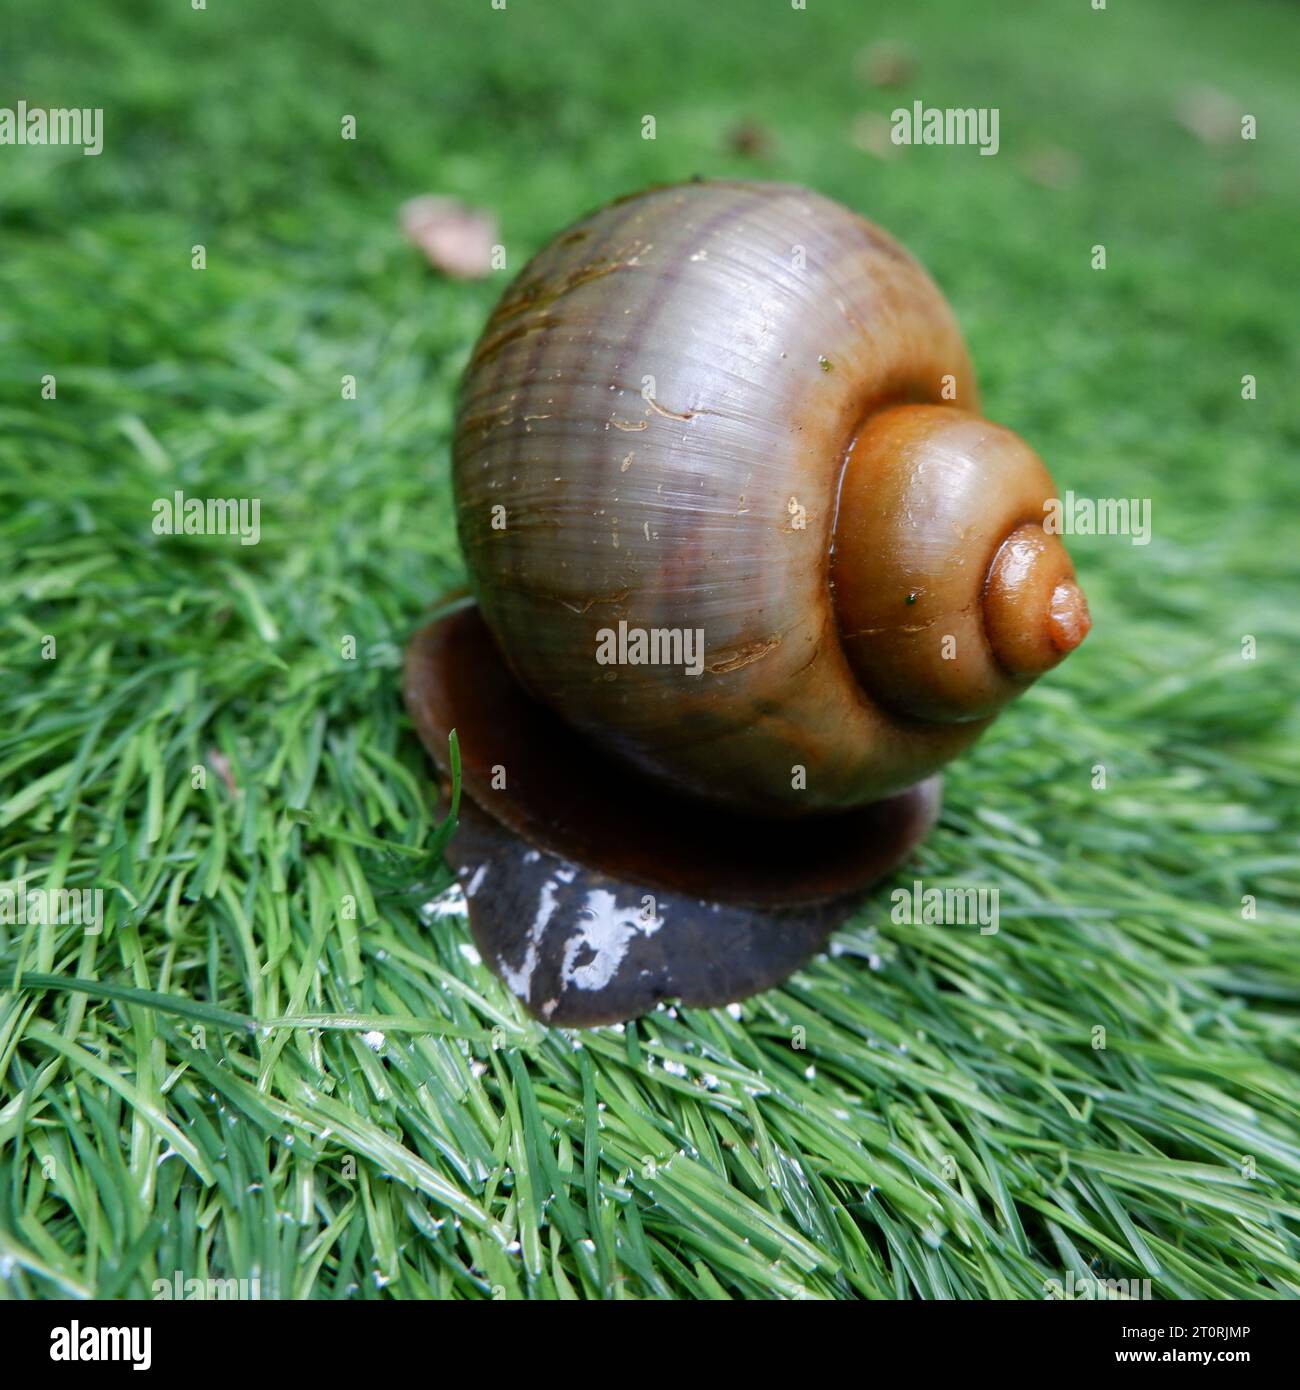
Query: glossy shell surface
[652, 431]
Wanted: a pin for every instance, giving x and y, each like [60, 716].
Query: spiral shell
[653, 430]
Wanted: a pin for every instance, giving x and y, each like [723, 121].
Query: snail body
[738, 415]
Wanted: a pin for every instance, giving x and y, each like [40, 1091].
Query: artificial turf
[240, 1077]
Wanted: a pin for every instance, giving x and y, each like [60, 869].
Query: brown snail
[749, 569]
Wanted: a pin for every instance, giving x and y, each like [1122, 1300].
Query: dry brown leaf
[456, 239]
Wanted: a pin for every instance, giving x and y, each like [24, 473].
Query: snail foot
[582, 948]
[595, 893]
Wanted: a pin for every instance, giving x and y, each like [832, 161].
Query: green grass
[237, 1078]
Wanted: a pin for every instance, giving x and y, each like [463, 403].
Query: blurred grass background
[243, 1081]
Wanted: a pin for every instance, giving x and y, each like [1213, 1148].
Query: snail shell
[722, 407]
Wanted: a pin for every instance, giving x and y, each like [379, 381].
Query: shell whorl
[951, 596]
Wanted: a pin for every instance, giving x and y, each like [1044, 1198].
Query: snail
[747, 568]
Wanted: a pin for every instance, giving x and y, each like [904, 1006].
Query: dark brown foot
[595, 893]
[581, 948]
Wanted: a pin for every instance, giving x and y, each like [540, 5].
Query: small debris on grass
[886, 63]
[1210, 114]
[1052, 166]
[751, 139]
[1237, 188]
[871, 133]
[456, 239]
[222, 767]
